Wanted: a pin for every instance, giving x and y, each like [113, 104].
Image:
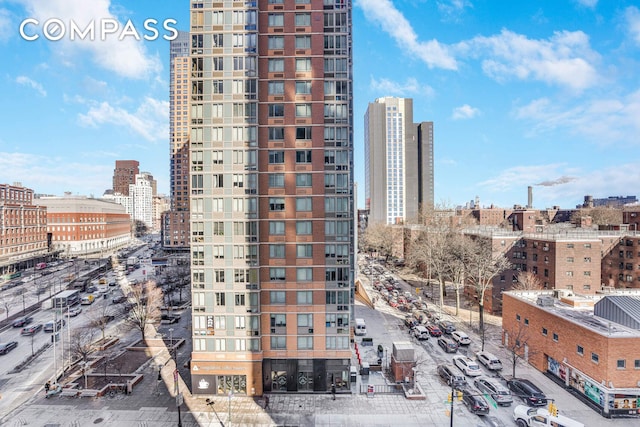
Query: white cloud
[411, 86]
[632, 18]
[591, 4]
[453, 9]
[565, 59]
[605, 121]
[127, 58]
[384, 13]
[5, 25]
[54, 175]
[26, 81]
[150, 120]
[465, 112]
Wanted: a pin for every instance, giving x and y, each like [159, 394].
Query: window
[276, 65]
[334, 343]
[555, 337]
[303, 204]
[277, 273]
[526, 321]
[303, 87]
[587, 259]
[303, 227]
[303, 42]
[303, 180]
[278, 320]
[276, 228]
[304, 274]
[305, 320]
[580, 350]
[621, 364]
[569, 273]
[302, 64]
[276, 133]
[303, 156]
[276, 110]
[303, 110]
[544, 332]
[570, 259]
[517, 317]
[303, 19]
[278, 343]
[276, 180]
[595, 358]
[276, 203]
[276, 19]
[220, 298]
[276, 251]
[276, 88]
[240, 299]
[277, 297]
[304, 298]
[276, 42]
[276, 157]
[636, 364]
[570, 245]
[304, 251]
[305, 343]
[303, 132]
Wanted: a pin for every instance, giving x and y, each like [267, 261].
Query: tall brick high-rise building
[272, 207]
[125, 174]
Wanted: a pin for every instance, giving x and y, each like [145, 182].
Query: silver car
[496, 390]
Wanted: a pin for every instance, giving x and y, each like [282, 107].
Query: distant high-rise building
[175, 222]
[125, 174]
[139, 203]
[272, 257]
[398, 162]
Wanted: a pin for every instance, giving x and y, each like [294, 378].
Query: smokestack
[529, 197]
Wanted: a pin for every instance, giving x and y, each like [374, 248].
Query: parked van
[421, 333]
[361, 327]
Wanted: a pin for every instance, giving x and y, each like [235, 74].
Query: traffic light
[449, 398]
[459, 395]
[553, 409]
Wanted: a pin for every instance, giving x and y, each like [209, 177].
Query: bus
[66, 298]
[10, 276]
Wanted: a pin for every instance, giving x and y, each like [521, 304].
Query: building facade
[175, 222]
[271, 160]
[398, 162]
[139, 201]
[85, 227]
[124, 175]
[584, 343]
[23, 229]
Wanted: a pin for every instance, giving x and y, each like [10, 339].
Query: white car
[467, 366]
[461, 337]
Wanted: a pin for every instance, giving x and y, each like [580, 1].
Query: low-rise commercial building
[589, 344]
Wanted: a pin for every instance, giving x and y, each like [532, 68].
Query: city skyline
[547, 88]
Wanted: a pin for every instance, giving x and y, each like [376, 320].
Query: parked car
[31, 330]
[51, 325]
[461, 337]
[22, 321]
[525, 416]
[410, 322]
[490, 361]
[451, 376]
[74, 311]
[448, 345]
[467, 366]
[447, 327]
[527, 391]
[119, 299]
[420, 332]
[434, 331]
[495, 389]
[6, 347]
[474, 402]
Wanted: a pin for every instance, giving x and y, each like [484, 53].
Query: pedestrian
[47, 387]
[333, 391]
[266, 401]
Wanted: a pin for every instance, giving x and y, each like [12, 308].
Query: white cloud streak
[632, 19]
[465, 112]
[565, 59]
[391, 20]
[411, 86]
[5, 25]
[26, 81]
[127, 58]
[150, 120]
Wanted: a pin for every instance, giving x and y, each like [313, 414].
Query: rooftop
[580, 309]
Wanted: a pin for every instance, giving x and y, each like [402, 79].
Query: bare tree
[460, 255]
[100, 317]
[484, 265]
[527, 281]
[81, 345]
[517, 343]
[378, 238]
[145, 300]
[7, 301]
[600, 215]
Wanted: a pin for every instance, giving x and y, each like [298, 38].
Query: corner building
[271, 196]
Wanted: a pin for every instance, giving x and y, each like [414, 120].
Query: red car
[434, 331]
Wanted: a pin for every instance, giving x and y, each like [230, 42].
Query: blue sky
[543, 93]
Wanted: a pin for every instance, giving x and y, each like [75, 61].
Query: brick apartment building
[124, 175]
[23, 229]
[589, 344]
[85, 227]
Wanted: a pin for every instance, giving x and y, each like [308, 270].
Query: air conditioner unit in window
[310, 330]
[273, 330]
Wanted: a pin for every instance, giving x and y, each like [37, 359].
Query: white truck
[525, 416]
